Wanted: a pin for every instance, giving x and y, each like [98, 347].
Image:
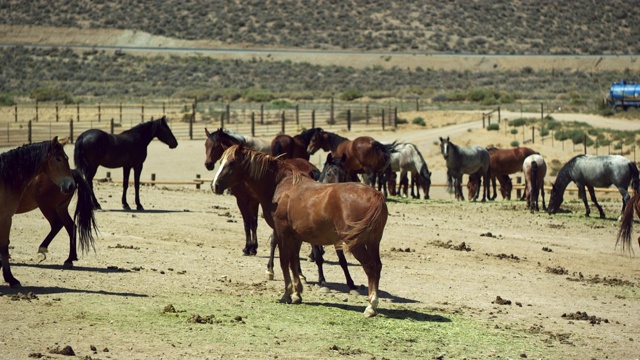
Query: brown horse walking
[506, 162]
[300, 209]
[364, 155]
[45, 195]
[18, 167]
[626, 222]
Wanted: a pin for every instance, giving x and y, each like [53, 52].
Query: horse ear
[54, 141]
[207, 132]
[64, 141]
[447, 139]
[329, 158]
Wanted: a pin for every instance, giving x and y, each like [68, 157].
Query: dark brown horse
[301, 209]
[45, 195]
[289, 147]
[506, 162]
[18, 167]
[127, 150]
[475, 181]
[364, 155]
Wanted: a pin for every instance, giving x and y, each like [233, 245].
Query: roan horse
[535, 169]
[465, 160]
[127, 150]
[43, 194]
[506, 162]
[18, 167]
[406, 158]
[289, 147]
[364, 154]
[594, 171]
[301, 209]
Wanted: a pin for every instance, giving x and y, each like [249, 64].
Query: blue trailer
[623, 95]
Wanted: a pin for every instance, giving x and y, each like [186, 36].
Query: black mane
[20, 164]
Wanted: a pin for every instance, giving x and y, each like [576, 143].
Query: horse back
[95, 148]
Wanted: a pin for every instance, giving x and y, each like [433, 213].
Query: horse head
[318, 141]
[228, 174]
[56, 166]
[555, 200]
[163, 132]
[444, 147]
[424, 180]
[333, 170]
[506, 186]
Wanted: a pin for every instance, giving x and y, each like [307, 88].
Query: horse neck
[144, 132]
[454, 156]
[564, 177]
[304, 137]
[334, 140]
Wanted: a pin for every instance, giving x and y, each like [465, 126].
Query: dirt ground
[557, 281]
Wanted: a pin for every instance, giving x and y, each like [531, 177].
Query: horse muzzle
[209, 165]
[67, 185]
[217, 188]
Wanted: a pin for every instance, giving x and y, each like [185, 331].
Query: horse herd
[299, 202]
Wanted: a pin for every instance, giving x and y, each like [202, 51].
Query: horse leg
[493, 185]
[342, 260]
[544, 206]
[485, 189]
[125, 185]
[294, 265]
[319, 259]
[5, 227]
[414, 180]
[136, 184]
[89, 173]
[369, 257]
[56, 225]
[285, 259]
[70, 226]
[583, 195]
[246, 214]
[458, 186]
[272, 253]
[592, 193]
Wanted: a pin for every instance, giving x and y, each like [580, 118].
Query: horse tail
[370, 227]
[385, 151]
[84, 217]
[626, 223]
[635, 180]
[79, 156]
[534, 182]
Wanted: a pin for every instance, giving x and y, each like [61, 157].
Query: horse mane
[306, 135]
[258, 163]
[20, 164]
[334, 139]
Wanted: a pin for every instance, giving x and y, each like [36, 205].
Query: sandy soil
[440, 257]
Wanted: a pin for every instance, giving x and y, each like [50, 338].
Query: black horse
[126, 150]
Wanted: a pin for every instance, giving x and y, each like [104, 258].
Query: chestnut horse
[127, 150]
[506, 162]
[301, 209]
[364, 154]
[18, 168]
[475, 180]
[289, 147]
[535, 169]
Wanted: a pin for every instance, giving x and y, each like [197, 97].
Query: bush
[351, 95]
[518, 122]
[418, 121]
[401, 121]
[51, 94]
[493, 126]
[515, 143]
[258, 95]
[6, 100]
[280, 104]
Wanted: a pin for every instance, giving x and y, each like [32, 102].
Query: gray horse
[465, 160]
[594, 171]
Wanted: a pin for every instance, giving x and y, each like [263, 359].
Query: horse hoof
[269, 275]
[285, 299]
[41, 257]
[67, 265]
[126, 207]
[14, 284]
[369, 312]
[139, 208]
[245, 252]
[296, 299]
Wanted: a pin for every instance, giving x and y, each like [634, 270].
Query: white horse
[252, 142]
[406, 158]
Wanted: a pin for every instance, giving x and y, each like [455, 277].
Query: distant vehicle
[624, 95]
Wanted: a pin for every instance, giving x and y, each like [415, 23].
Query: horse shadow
[362, 290]
[145, 211]
[399, 314]
[43, 290]
[109, 269]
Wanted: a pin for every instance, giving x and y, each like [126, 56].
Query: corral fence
[33, 122]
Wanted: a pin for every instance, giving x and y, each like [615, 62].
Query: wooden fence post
[29, 132]
[142, 113]
[112, 126]
[331, 118]
[120, 113]
[71, 130]
[37, 115]
[78, 112]
[222, 121]
[261, 114]
[297, 114]
[16, 113]
[395, 117]
[417, 104]
[57, 113]
[282, 122]
[163, 109]
[228, 114]
[313, 118]
[253, 124]
[348, 119]
[366, 113]
[100, 113]
[382, 119]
